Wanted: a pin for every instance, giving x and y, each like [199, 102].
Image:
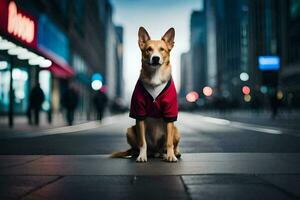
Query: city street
[221, 159]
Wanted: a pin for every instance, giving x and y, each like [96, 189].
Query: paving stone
[235, 192]
[289, 183]
[14, 187]
[113, 187]
[10, 161]
[193, 163]
[231, 187]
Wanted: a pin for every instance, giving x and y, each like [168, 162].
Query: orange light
[192, 96]
[246, 90]
[19, 25]
[207, 91]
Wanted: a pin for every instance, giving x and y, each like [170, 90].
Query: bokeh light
[246, 90]
[247, 98]
[192, 96]
[244, 76]
[207, 91]
[96, 85]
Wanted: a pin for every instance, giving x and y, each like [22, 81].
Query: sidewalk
[285, 119]
[196, 176]
[21, 124]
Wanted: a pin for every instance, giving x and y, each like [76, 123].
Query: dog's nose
[155, 60]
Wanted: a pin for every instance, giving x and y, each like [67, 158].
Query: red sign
[17, 23]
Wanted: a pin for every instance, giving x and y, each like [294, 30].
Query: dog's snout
[155, 59]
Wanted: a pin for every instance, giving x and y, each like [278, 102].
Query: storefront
[25, 59]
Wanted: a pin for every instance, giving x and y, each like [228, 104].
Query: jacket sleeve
[137, 105]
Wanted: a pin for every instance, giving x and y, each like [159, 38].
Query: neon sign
[20, 25]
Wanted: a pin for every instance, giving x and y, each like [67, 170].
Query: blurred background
[69, 61]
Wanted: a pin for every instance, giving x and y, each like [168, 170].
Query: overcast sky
[157, 16]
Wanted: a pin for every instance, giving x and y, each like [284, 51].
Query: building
[290, 52]
[119, 62]
[186, 74]
[198, 50]
[73, 37]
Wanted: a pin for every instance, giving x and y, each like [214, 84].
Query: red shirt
[164, 106]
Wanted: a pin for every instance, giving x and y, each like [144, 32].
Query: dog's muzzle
[156, 60]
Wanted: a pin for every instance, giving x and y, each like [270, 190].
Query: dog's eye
[161, 49]
[149, 49]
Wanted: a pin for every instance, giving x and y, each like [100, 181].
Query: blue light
[269, 63]
[97, 77]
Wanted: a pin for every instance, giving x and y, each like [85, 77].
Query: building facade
[77, 37]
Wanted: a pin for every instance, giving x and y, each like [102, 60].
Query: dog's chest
[155, 91]
[155, 131]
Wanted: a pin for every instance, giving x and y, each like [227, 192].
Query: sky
[157, 16]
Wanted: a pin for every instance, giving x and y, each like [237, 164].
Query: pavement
[222, 159]
[285, 118]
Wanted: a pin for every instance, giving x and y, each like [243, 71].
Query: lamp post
[11, 95]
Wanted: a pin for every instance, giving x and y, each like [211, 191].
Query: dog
[154, 103]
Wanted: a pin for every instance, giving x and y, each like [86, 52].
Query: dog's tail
[122, 154]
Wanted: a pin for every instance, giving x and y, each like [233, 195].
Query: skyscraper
[198, 50]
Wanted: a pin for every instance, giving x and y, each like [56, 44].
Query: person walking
[70, 102]
[100, 102]
[36, 99]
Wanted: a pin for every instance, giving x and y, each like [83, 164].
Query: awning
[59, 68]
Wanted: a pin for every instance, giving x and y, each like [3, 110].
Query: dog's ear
[169, 38]
[143, 37]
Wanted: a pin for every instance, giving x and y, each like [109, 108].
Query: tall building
[198, 50]
[212, 70]
[227, 45]
[186, 74]
[119, 62]
[290, 52]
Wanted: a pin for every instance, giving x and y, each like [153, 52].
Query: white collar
[156, 90]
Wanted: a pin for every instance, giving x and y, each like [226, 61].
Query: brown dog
[154, 103]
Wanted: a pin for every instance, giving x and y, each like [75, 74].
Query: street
[221, 159]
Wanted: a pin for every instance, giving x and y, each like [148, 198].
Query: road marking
[241, 125]
[252, 127]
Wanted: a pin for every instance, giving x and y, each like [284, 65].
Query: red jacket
[164, 106]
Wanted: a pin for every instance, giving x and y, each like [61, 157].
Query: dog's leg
[170, 143]
[176, 142]
[131, 136]
[141, 139]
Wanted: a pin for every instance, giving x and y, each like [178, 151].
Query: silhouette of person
[274, 105]
[100, 102]
[70, 102]
[36, 99]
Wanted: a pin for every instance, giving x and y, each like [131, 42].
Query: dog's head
[156, 53]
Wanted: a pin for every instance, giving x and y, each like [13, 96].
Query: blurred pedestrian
[274, 104]
[100, 102]
[36, 99]
[70, 102]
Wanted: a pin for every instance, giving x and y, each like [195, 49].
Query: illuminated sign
[269, 63]
[19, 25]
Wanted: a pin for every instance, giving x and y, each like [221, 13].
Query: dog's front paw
[142, 157]
[170, 157]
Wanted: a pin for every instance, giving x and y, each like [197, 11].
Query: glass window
[45, 83]
[20, 86]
